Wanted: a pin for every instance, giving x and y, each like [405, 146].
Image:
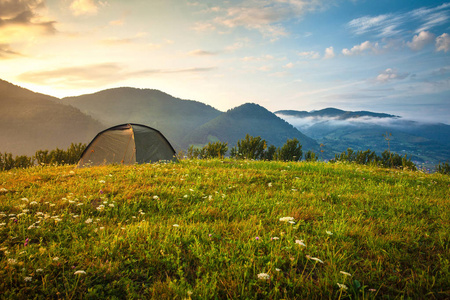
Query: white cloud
[199, 52]
[329, 53]
[84, 7]
[310, 54]
[443, 42]
[388, 25]
[289, 65]
[421, 40]
[389, 75]
[263, 15]
[363, 47]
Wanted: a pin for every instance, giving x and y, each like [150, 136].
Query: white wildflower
[346, 273]
[300, 242]
[155, 197]
[269, 184]
[55, 258]
[33, 203]
[24, 199]
[263, 276]
[286, 219]
[39, 270]
[111, 205]
[27, 279]
[101, 181]
[3, 190]
[176, 225]
[329, 232]
[314, 258]
[278, 270]
[12, 261]
[88, 221]
[342, 286]
[275, 238]
[79, 272]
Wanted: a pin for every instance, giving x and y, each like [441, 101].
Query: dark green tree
[311, 156]
[291, 151]
[250, 148]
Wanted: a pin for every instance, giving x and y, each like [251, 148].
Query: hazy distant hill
[253, 119]
[174, 117]
[30, 121]
[331, 112]
[340, 130]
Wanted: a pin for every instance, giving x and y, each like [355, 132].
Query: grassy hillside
[224, 229]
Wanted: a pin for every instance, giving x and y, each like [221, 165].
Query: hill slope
[252, 119]
[32, 121]
[174, 117]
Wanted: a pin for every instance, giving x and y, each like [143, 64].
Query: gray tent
[127, 144]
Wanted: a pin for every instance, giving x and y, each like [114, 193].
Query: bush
[443, 168]
[311, 156]
[250, 148]
[387, 159]
[43, 157]
[291, 151]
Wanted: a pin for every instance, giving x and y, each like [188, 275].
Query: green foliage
[270, 153]
[43, 157]
[224, 229]
[211, 150]
[311, 156]
[8, 162]
[291, 151]
[250, 148]
[387, 159]
[216, 149]
[443, 168]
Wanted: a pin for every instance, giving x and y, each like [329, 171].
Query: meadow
[224, 229]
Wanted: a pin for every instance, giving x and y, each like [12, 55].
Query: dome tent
[127, 144]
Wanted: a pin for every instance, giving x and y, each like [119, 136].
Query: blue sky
[385, 56]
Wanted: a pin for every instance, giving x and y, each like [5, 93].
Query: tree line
[43, 157]
[247, 148]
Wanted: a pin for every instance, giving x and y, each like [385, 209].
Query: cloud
[443, 42]
[389, 75]
[421, 40]
[96, 74]
[310, 54]
[329, 53]
[265, 16]
[388, 25]
[22, 14]
[6, 52]
[84, 7]
[199, 52]
[363, 47]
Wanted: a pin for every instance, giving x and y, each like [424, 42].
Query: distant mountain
[174, 117]
[333, 113]
[338, 129]
[253, 119]
[32, 121]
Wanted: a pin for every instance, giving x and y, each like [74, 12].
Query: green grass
[205, 229]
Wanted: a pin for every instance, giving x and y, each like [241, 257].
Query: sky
[390, 56]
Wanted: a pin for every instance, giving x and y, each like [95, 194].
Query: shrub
[249, 147]
[291, 151]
